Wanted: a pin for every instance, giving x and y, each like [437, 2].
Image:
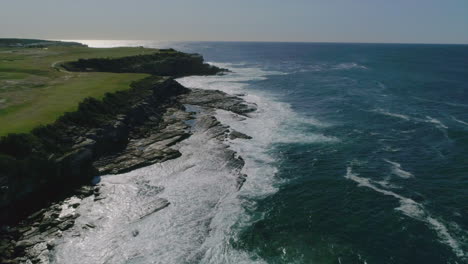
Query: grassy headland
[64, 106]
[36, 90]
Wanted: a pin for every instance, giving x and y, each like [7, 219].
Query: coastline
[322, 145]
[187, 115]
[48, 162]
[61, 163]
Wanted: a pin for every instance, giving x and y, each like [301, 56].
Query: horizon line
[246, 41]
[275, 41]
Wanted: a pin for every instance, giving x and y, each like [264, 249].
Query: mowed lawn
[34, 90]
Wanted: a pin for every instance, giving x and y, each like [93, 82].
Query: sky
[383, 21]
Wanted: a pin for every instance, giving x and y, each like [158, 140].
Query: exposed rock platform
[150, 141]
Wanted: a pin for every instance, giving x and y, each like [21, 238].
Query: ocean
[359, 154]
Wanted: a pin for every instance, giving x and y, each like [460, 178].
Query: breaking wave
[437, 122]
[387, 113]
[203, 212]
[349, 66]
[412, 209]
[398, 171]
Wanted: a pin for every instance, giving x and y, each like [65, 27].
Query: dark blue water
[394, 187]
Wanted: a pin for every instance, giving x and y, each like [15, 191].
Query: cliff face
[53, 160]
[149, 134]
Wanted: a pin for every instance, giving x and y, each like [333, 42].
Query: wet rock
[50, 244]
[23, 229]
[47, 225]
[219, 100]
[32, 231]
[65, 225]
[84, 191]
[89, 225]
[145, 189]
[23, 244]
[154, 207]
[23, 260]
[85, 143]
[99, 198]
[37, 215]
[69, 216]
[240, 180]
[150, 148]
[236, 134]
[36, 253]
[50, 231]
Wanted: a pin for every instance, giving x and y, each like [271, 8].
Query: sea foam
[398, 171]
[437, 122]
[412, 209]
[460, 121]
[206, 211]
[274, 122]
[348, 66]
[388, 113]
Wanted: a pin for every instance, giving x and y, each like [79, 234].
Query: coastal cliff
[191, 113]
[46, 173]
[52, 160]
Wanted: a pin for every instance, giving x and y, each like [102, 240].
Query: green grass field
[34, 90]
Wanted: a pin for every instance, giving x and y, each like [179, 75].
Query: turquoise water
[393, 188]
[369, 162]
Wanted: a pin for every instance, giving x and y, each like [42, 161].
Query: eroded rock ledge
[145, 135]
[150, 144]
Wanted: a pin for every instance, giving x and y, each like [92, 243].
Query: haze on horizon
[398, 21]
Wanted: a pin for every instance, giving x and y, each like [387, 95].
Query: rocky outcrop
[148, 142]
[154, 145]
[218, 99]
[34, 237]
[236, 134]
[150, 147]
[44, 171]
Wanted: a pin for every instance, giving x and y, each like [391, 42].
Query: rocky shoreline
[153, 140]
[46, 163]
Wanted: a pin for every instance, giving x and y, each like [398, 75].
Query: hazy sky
[420, 21]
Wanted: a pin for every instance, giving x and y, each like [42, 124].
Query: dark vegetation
[34, 43]
[164, 63]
